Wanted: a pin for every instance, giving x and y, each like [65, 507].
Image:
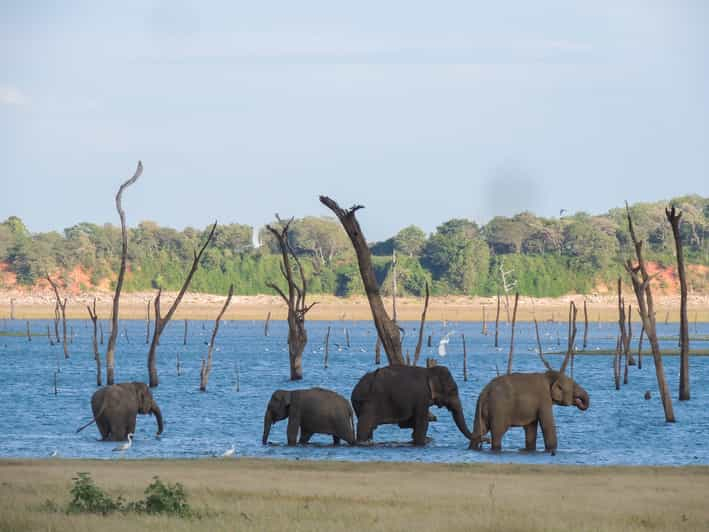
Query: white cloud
[12, 96]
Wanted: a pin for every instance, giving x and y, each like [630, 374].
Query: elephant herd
[400, 395]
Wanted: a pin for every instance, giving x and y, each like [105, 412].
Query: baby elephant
[315, 410]
[524, 400]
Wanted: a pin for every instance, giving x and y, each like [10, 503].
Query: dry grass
[248, 494]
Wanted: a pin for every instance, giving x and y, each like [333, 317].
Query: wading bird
[125, 446]
[230, 451]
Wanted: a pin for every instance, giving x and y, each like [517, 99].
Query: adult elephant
[525, 400]
[116, 407]
[402, 395]
[310, 411]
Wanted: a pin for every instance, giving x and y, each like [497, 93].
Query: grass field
[249, 494]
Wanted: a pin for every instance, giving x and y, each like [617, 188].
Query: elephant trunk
[457, 410]
[155, 410]
[581, 399]
[267, 422]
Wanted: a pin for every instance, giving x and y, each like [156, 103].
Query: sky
[421, 111]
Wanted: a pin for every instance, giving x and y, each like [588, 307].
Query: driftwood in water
[111, 349]
[97, 355]
[422, 325]
[62, 307]
[207, 364]
[512, 336]
[646, 308]
[675, 218]
[161, 322]
[295, 300]
[387, 330]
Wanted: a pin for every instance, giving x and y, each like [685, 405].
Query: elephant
[310, 411]
[116, 406]
[524, 400]
[402, 395]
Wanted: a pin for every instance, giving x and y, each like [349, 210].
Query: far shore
[198, 306]
[264, 495]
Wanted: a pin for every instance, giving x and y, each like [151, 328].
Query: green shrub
[89, 498]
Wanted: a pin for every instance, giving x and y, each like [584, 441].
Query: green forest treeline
[547, 256]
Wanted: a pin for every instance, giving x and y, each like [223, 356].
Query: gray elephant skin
[525, 400]
[310, 411]
[402, 395]
[116, 407]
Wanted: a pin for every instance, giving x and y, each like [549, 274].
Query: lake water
[620, 427]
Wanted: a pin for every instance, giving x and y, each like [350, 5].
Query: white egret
[125, 446]
[54, 453]
[443, 343]
[229, 452]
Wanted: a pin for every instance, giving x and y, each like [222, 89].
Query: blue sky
[421, 111]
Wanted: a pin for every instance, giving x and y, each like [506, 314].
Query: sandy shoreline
[40, 305]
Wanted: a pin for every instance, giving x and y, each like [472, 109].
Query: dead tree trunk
[378, 351]
[207, 365]
[267, 324]
[465, 360]
[295, 300]
[512, 336]
[571, 338]
[585, 324]
[327, 347]
[484, 329]
[387, 330]
[497, 320]
[62, 307]
[621, 317]
[49, 335]
[640, 348]
[111, 349]
[347, 338]
[184, 338]
[539, 347]
[161, 322]
[147, 323]
[97, 355]
[616, 363]
[646, 308]
[674, 218]
[57, 318]
[419, 343]
[29, 332]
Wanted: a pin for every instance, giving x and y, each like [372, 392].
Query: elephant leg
[420, 426]
[131, 425]
[546, 419]
[292, 431]
[104, 428]
[497, 430]
[305, 437]
[335, 440]
[530, 436]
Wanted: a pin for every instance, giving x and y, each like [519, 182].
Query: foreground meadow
[249, 494]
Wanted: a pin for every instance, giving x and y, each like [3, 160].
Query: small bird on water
[229, 452]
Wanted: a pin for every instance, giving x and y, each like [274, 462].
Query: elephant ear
[557, 391]
[285, 397]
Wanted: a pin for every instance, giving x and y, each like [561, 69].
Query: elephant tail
[93, 420]
[480, 427]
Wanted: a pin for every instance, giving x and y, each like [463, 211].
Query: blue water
[620, 427]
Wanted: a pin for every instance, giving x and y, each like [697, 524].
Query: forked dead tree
[62, 307]
[387, 330]
[646, 308]
[571, 346]
[675, 218]
[419, 343]
[161, 322]
[512, 336]
[111, 348]
[207, 364]
[97, 355]
[539, 347]
[295, 300]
